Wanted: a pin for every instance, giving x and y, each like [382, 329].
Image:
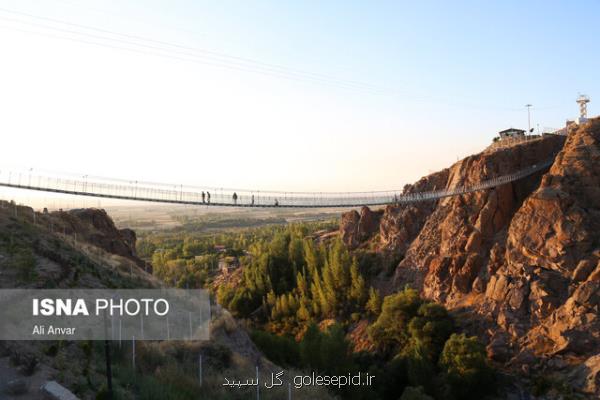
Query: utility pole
[108, 361]
[528, 117]
[257, 385]
[200, 369]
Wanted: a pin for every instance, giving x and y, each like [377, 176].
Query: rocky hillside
[83, 249]
[520, 262]
[96, 227]
[79, 248]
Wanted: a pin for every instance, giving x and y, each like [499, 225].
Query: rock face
[462, 237]
[523, 258]
[546, 292]
[96, 227]
[355, 228]
[587, 375]
[400, 224]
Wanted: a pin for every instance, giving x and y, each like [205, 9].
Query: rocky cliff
[97, 228]
[77, 248]
[356, 228]
[521, 260]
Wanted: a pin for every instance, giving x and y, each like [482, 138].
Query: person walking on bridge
[235, 197]
[208, 197]
[203, 197]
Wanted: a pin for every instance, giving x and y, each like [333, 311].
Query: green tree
[244, 302]
[419, 364]
[390, 330]
[334, 351]
[296, 253]
[329, 292]
[310, 347]
[465, 367]
[224, 295]
[327, 352]
[282, 350]
[431, 328]
[358, 291]
[311, 257]
[301, 284]
[373, 305]
[303, 313]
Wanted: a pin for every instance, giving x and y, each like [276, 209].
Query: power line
[180, 58]
[180, 52]
[206, 53]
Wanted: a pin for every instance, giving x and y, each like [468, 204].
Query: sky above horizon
[300, 96]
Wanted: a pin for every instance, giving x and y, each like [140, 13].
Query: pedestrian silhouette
[235, 197]
[252, 199]
[276, 203]
[203, 197]
[208, 197]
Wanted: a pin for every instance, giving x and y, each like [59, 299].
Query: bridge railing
[181, 194]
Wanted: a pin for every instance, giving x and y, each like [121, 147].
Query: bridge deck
[187, 195]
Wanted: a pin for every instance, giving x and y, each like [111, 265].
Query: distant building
[511, 133]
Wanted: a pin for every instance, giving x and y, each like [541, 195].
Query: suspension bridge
[110, 188]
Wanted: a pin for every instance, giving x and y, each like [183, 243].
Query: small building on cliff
[511, 133]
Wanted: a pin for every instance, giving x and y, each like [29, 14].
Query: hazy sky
[305, 95]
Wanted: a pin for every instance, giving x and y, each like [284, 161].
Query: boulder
[52, 390]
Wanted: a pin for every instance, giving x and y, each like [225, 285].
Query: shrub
[51, 350]
[282, 350]
[431, 328]
[464, 364]
[420, 367]
[148, 357]
[390, 330]
[374, 302]
[335, 351]
[216, 355]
